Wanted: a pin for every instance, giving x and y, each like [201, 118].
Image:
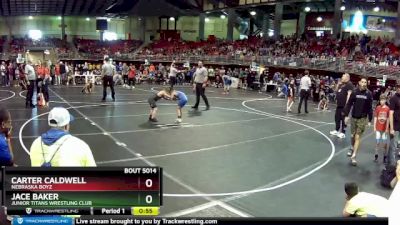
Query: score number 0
[149, 184]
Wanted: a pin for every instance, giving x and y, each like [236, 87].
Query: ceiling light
[376, 9]
[207, 20]
[172, 18]
[307, 9]
[30, 17]
[319, 19]
[342, 7]
[87, 19]
[59, 18]
[253, 13]
[108, 20]
[223, 16]
[384, 21]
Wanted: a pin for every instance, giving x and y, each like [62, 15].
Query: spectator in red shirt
[381, 126]
[131, 76]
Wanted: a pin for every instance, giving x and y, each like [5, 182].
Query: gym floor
[244, 157]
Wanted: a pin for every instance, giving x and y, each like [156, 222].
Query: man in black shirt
[394, 120]
[361, 102]
[63, 72]
[343, 93]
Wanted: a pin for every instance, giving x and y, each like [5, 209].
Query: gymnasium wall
[50, 26]
[79, 27]
[288, 27]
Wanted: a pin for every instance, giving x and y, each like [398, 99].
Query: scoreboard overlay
[82, 191]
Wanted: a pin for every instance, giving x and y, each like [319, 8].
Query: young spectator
[125, 72]
[57, 147]
[211, 75]
[284, 90]
[363, 204]
[227, 83]
[6, 151]
[323, 100]
[291, 96]
[381, 127]
[131, 77]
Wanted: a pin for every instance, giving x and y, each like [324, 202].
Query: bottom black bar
[233, 221]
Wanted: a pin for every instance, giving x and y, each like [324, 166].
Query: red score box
[149, 183]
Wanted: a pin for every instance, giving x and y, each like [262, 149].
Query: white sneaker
[341, 135]
[334, 132]
[179, 120]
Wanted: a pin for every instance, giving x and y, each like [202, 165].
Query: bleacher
[113, 48]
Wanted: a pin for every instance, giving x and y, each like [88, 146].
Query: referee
[200, 83]
[172, 75]
[305, 84]
[107, 73]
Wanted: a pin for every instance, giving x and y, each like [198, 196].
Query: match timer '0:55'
[145, 211]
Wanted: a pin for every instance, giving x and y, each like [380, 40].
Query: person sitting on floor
[88, 87]
[363, 204]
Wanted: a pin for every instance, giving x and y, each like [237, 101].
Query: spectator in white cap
[57, 147]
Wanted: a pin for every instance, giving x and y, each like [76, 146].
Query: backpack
[48, 163]
[387, 175]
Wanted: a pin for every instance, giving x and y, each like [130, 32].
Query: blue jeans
[393, 148]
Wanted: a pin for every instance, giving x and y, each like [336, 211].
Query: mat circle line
[286, 183]
[226, 193]
[9, 97]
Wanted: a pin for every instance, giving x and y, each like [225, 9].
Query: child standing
[291, 95]
[227, 83]
[131, 77]
[323, 100]
[381, 126]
